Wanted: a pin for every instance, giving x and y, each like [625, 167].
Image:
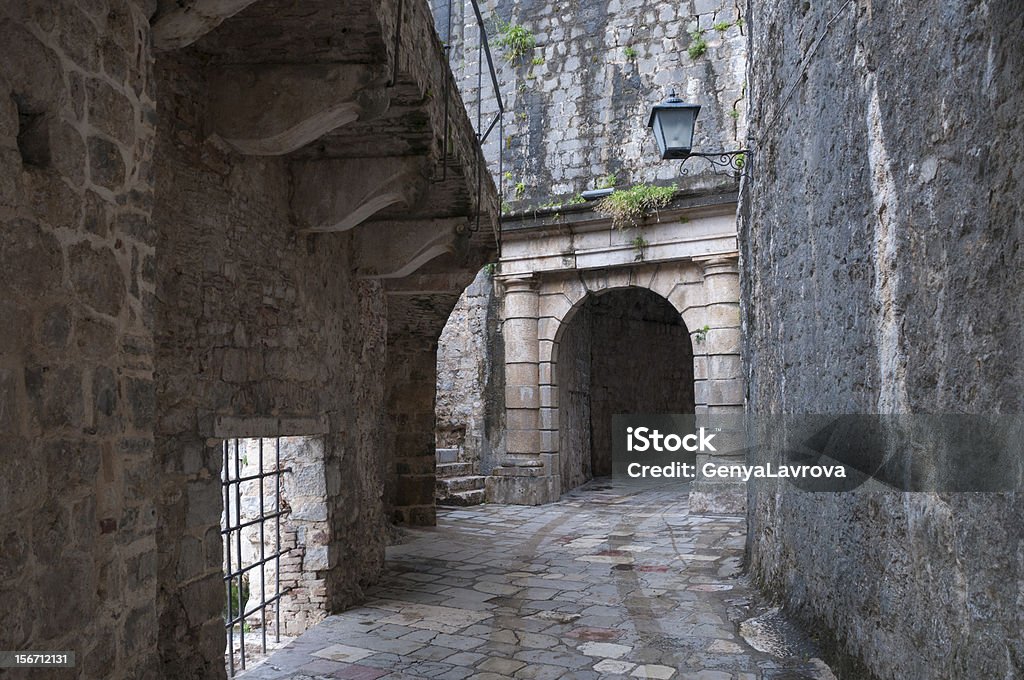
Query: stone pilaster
[718, 385]
[524, 478]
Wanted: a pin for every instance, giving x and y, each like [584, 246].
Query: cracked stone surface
[610, 582]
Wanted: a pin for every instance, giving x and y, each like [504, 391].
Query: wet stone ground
[610, 582]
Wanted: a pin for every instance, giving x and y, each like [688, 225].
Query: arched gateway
[550, 274]
[623, 351]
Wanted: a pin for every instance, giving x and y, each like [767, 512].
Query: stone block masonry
[78, 557]
[577, 104]
[252, 321]
[892, 285]
[157, 297]
[578, 101]
[469, 377]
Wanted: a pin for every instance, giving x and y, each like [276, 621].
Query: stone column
[523, 478]
[719, 388]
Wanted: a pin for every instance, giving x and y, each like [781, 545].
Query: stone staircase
[456, 482]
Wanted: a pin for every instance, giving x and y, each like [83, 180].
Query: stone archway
[625, 350]
[705, 294]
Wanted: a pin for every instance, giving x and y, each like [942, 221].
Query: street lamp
[673, 123]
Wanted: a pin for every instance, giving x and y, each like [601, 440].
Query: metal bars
[239, 565]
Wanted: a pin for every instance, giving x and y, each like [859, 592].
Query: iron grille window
[253, 512]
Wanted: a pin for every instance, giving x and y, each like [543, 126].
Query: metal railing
[482, 133]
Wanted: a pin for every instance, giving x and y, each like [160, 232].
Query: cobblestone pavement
[608, 583]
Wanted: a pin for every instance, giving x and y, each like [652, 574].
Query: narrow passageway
[610, 582]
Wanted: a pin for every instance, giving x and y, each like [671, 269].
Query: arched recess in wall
[618, 350]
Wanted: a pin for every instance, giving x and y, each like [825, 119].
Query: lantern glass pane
[674, 131]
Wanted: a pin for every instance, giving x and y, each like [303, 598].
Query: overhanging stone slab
[340, 194]
[182, 23]
[393, 250]
[274, 110]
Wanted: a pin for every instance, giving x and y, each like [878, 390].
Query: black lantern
[673, 123]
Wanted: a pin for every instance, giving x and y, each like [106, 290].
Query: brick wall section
[304, 532]
[77, 520]
[892, 285]
[254, 322]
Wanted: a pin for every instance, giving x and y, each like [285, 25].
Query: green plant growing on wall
[723, 26]
[698, 45]
[700, 335]
[630, 52]
[516, 40]
[520, 189]
[577, 199]
[490, 268]
[627, 208]
[735, 113]
[639, 248]
[537, 61]
[607, 182]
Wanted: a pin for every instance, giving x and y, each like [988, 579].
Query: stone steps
[450, 485]
[447, 455]
[456, 484]
[445, 470]
[462, 498]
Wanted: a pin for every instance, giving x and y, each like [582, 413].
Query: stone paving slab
[610, 582]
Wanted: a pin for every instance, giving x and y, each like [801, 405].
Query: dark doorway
[624, 351]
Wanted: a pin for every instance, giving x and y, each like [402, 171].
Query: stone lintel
[224, 427]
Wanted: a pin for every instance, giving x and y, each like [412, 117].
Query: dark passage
[625, 351]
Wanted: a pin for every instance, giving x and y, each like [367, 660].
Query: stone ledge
[522, 490]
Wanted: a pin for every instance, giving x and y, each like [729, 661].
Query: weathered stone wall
[891, 285]
[578, 102]
[255, 324]
[77, 518]
[469, 392]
